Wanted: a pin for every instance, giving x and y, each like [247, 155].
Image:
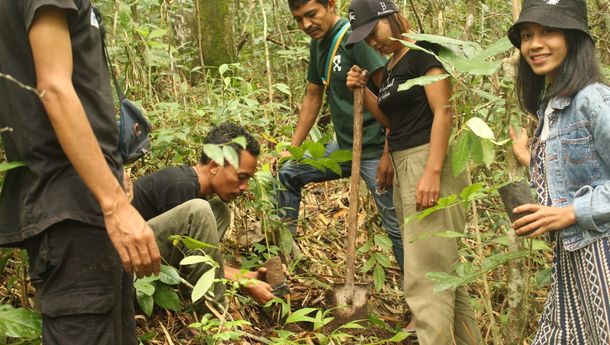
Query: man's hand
[128, 185]
[356, 78]
[385, 173]
[133, 239]
[542, 219]
[260, 291]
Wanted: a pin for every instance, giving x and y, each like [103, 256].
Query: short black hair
[579, 69]
[224, 133]
[295, 4]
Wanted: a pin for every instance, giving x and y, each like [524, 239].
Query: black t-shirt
[49, 190]
[409, 112]
[165, 189]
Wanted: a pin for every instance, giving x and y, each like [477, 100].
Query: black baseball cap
[363, 15]
[560, 14]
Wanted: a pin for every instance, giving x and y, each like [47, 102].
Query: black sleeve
[31, 6]
[423, 61]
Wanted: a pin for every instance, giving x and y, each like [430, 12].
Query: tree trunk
[216, 33]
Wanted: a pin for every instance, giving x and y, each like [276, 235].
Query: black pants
[83, 292]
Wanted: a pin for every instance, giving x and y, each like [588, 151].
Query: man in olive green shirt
[318, 19]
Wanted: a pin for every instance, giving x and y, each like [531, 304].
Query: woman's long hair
[399, 25]
[579, 69]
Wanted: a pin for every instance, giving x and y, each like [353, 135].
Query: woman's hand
[520, 145]
[542, 219]
[385, 173]
[356, 78]
[428, 190]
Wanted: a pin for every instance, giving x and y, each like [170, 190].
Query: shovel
[350, 299]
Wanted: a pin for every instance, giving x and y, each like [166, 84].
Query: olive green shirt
[340, 98]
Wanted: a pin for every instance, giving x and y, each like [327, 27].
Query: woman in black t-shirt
[419, 123]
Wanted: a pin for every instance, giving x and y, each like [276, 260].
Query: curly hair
[224, 133]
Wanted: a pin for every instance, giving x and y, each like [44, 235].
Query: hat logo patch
[552, 2]
[351, 16]
[384, 9]
[383, 6]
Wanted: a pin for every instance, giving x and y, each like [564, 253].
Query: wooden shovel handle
[352, 220]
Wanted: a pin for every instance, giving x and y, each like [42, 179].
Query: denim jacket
[577, 162]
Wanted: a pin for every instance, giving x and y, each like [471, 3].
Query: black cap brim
[361, 33]
[543, 16]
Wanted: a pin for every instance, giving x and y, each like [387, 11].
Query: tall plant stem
[267, 60]
[495, 333]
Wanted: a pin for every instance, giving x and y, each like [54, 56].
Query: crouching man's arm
[251, 283]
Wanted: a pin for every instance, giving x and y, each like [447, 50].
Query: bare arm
[438, 95]
[253, 285]
[51, 47]
[520, 143]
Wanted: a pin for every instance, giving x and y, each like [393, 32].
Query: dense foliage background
[192, 65]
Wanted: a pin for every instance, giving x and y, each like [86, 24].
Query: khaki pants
[441, 318]
[198, 219]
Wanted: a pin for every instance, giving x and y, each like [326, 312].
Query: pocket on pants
[86, 301]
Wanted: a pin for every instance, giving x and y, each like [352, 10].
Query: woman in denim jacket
[559, 79]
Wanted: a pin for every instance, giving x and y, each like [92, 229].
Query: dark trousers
[83, 293]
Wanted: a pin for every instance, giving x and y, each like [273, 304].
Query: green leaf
[223, 69]
[301, 316]
[230, 155]
[471, 191]
[382, 259]
[469, 66]
[144, 286]
[383, 241]
[398, 337]
[489, 152]
[368, 264]
[167, 298]
[316, 150]
[145, 302]
[341, 156]
[214, 152]
[475, 147]
[204, 284]
[241, 141]
[169, 275]
[464, 48]
[197, 259]
[10, 165]
[540, 245]
[500, 46]
[480, 128]
[330, 165]
[190, 243]
[422, 81]
[378, 277]
[283, 88]
[296, 152]
[459, 154]
[448, 234]
[19, 323]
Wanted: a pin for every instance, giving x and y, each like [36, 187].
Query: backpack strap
[334, 46]
[98, 17]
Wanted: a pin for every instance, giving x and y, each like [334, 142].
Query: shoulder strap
[334, 46]
[98, 17]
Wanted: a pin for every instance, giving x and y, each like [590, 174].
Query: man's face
[229, 182]
[315, 19]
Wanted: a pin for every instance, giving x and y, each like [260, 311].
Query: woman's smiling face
[543, 48]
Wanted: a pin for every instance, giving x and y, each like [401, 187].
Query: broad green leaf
[296, 152]
[204, 284]
[341, 156]
[223, 69]
[214, 152]
[144, 286]
[368, 265]
[365, 248]
[499, 46]
[475, 147]
[167, 298]
[383, 241]
[469, 66]
[241, 141]
[488, 96]
[190, 243]
[157, 33]
[331, 165]
[445, 281]
[10, 165]
[489, 152]
[145, 302]
[283, 88]
[316, 150]
[378, 277]
[463, 48]
[169, 275]
[422, 81]
[448, 234]
[471, 190]
[459, 154]
[197, 259]
[541, 245]
[480, 128]
[398, 337]
[19, 322]
[383, 259]
[301, 316]
[230, 155]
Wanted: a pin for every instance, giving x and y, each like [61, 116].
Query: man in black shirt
[174, 202]
[66, 206]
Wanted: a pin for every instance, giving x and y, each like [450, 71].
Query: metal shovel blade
[350, 304]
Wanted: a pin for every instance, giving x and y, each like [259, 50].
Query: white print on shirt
[337, 63]
[552, 2]
[384, 92]
[94, 22]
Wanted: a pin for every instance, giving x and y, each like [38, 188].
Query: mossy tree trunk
[216, 32]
